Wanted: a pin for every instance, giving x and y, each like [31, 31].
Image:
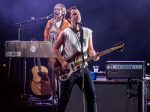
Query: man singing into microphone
[70, 38]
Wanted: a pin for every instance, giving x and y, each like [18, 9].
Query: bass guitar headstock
[118, 46]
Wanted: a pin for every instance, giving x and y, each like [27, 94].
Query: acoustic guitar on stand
[40, 84]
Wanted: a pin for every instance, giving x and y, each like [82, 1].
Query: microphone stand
[83, 63]
[19, 38]
[34, 19]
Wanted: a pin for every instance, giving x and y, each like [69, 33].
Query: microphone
[81, 32]
[49, 16]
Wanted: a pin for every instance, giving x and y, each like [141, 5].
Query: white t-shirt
[72, 43]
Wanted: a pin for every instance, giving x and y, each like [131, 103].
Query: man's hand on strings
[96, 58]
[65, 66]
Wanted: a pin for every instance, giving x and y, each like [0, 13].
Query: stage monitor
[125, 69]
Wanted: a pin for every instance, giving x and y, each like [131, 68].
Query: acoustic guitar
[40, 84]
[75, 64]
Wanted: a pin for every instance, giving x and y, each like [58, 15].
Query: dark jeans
[89, 89]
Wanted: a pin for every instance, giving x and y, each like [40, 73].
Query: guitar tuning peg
[121, 50]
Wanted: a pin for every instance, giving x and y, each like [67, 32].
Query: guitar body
[64, 75]
[74, 64]
[40, 84]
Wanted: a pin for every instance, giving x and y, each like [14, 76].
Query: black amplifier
[125, 69]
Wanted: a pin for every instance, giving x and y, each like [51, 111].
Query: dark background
[111, 21]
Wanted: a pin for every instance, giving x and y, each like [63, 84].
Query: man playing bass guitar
[70, 39]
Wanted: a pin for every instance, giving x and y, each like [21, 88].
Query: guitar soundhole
[43, 75]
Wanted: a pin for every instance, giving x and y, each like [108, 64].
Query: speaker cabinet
[148, 90]
[111, 97]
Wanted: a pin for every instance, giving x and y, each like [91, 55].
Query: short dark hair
[68, 12]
